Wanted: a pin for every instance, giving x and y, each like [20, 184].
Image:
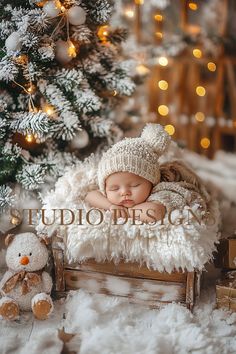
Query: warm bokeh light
[163, 110]
[211, 66]
[163, 61]
[129, 13]
[170, 129]
[159, 35]
[158, 17]
[163, 84]
[139, 2]
[197, 53]
[193, 6]
[200, 116]
[142, 69]
[205, 143]
[200, 90]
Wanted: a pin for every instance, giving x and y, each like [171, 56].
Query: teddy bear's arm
[5, 277]
[47, 282]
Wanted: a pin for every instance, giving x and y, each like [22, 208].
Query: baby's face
[127, 189]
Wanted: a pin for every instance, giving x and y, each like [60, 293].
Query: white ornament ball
[51, 8]
[76, 15]
[61, 52]
[13, 42]
[80, 141]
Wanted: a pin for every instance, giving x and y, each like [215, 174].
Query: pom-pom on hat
[136, 155]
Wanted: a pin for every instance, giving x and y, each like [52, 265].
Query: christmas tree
[61, 74]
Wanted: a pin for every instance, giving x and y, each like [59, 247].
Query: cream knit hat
[136, 155]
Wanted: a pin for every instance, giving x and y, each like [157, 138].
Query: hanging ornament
[76, 15]
[16, 218]
[52, 8]
[65, 51]
[13, 42]
[80, 141]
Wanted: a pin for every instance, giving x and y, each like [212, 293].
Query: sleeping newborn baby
[127, 173]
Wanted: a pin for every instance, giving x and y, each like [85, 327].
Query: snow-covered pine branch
[31, 122]
[6, 197]
[99, 10]
[31, 176]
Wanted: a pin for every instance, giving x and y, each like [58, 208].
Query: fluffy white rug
[111, 326]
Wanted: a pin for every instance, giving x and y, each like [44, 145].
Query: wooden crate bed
[129, 280]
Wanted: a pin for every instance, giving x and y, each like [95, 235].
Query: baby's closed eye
[135, 185]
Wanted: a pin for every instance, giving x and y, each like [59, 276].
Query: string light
[158, 17]
[31, 89]
[71, 50]
[205, 143]
[170, 129]
[163, 61]
[163, 84]
[200, 116]
[200, 90]
[29, 138]
[163, 110]
[193, 6]
[197, 53]
[211, 66]
[103, 33]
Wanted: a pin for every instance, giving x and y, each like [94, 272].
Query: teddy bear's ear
[9, 239]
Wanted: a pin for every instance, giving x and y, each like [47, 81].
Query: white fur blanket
[161, 247]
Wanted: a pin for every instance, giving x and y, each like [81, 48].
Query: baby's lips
[24, 260]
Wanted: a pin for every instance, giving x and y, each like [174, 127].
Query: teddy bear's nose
[24, 260]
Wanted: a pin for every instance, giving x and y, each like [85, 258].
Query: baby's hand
[118, 211]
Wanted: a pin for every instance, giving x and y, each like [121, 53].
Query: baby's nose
[125, 192]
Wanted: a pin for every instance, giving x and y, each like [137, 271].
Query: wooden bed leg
[190, 290]
[58, 259]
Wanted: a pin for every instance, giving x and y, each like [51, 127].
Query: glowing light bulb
[29, 138]
[211, 66]
[163, 110]
[197, 53]
[163, 84]
[163, 61]
[200, 90]
[205, 143]
[103, 32]
[170, 129]
[71, 50]
[200, 116]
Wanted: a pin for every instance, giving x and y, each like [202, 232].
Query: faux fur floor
[110, 325]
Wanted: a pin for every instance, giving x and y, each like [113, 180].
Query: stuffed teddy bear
[25, 285]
